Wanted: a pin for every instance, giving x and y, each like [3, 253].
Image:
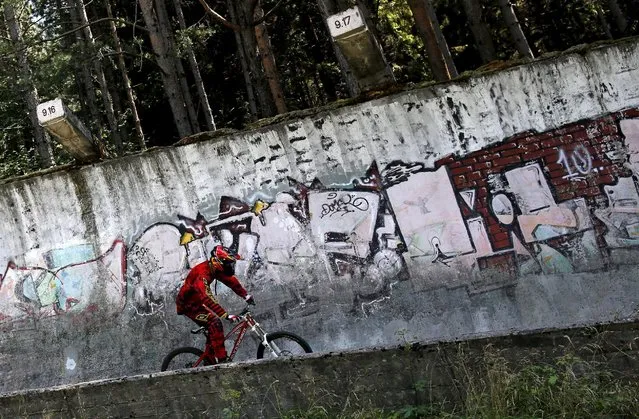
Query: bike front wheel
[186, 357]
[286, 343]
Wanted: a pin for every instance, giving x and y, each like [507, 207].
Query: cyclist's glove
[233, 318]
[249, 299]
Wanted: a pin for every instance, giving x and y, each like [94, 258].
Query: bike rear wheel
[185, 357]
[288, 343]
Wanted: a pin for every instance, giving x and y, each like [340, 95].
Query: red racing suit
[196, 292]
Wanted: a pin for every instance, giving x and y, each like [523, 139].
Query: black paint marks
[327, 142]
[455, 111]
[296, 139]
[463, 141]
[223, 150]
[412, 105]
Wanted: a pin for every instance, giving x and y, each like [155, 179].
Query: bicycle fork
[271, 346]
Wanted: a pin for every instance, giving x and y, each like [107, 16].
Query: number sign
[344, 22]
[50, 110]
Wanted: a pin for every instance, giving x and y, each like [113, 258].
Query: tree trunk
[67, 23]
[441, 41]
[479, 29]
[328, 8]
[251, 96]
[439, 58]
[168, 72]
[99, 73]
[516, 33]
[601, 15]
[25, 79]
[618, 16]
[85, 73]
[125, 78]
[114, 84]
[195, 69]
[167, 34]
[248, 42]
[268, 61]
[328, 86]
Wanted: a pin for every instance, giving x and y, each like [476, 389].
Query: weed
[234, 399]
[569, 386]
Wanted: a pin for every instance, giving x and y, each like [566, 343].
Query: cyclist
[196, 301]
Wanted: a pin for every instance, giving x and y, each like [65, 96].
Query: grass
[569, 387]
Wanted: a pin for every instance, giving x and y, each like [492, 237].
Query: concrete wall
[501, 202]
[336, 384]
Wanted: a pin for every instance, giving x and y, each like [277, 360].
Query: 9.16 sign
[50, 110]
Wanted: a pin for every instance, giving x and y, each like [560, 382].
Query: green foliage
[569, 387]
[555, 25]
[404, 49]
[234, 400]
[305, 57]
[306, 61]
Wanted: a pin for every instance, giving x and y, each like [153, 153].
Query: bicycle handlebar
[242, 313]
[245, 311]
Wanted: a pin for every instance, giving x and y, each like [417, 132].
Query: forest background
[146, 73]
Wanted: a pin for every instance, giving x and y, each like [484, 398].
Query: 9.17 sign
[344, 22]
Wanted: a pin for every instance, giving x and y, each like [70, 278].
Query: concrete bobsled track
[333, 383]
[498, 203]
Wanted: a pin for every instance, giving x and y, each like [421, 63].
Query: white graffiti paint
[426, 209]
[621, 216]
[352, 230]
[157, 264]
[577, 162]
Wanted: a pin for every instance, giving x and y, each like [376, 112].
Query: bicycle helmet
[222, 257]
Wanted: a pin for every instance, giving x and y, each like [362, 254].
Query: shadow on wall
[558, 202]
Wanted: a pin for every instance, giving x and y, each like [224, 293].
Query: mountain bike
[276, 344]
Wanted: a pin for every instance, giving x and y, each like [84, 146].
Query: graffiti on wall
[553, 203]
[560, 202]
[64, 283]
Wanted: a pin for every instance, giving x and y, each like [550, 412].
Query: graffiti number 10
[578, 162]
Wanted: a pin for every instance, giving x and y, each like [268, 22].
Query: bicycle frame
[247, 322]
